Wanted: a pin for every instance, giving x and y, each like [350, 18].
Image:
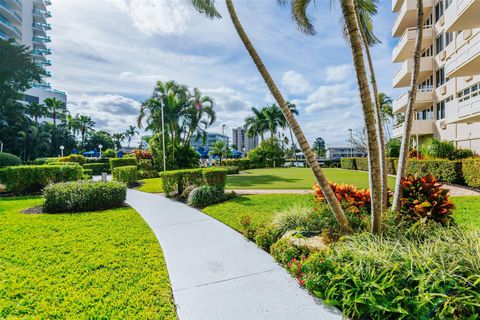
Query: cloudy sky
[108, 54]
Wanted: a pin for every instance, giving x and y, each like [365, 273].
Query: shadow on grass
[248, 181]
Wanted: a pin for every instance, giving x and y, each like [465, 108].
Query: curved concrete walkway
[216, 273]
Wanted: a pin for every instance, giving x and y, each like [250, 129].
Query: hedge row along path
[216, 273]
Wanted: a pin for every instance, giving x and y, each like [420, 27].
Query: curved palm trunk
[379, 124]
[302, 140]
[412, 95]
[293, 146]
[350, 16]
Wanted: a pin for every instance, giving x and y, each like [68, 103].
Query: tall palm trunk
[302, 140]
[378, 121]
[293, 146]
[412, 95]
[350, 16]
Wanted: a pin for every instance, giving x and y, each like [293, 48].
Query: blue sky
[108, 54]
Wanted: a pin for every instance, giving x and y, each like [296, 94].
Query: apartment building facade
[25, 21]
[448, 99]
[243, 142]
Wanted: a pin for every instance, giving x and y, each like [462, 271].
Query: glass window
[441, 110]
[440, 76]
[439, 44]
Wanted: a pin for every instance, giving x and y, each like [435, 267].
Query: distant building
[210, 140]
[243, 142]
[336, 153]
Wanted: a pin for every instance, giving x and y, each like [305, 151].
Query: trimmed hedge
[471, 172]
[443, 170]
[8, 159]
[122, 162]
[362, 164]
[40, 161]
[97, 168]
[84, 196]
[126, 174]
[87, 173]
[73, 158]
[26, 179]
[242, 164]
[232, 170]
[348, 163]
[175, 181]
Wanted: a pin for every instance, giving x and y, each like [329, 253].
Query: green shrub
[393, 148]
[424, 199]
[31, 179]
[348, 163]
[437, 149]
[460, 154]
[292, 218]
[362, 164]
[248, 230]
[146, 169]
[283, 251]
[434, 275]
[8, 159]
[232, 169]
[391, 167]
[443, 170]
[122, 162]
[40, 161]
[77, 158]
[204, 196]
[84, 196]
[268, 154]
[98, 160]
[87, 174]
[97, 168]
[126, 174]
[109, 153]
[242, 164]
[471, 172]
[176, 180]
[266, 236]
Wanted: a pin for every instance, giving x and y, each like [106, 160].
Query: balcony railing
[457, 66]
[7, 7]
[3, 35]
[45, 63]
[11, 26]
[41, 39]
[44, 26]
[41, 51]
[43, 13]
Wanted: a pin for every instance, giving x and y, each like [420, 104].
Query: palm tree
[85, 124]
[218, 148]
[256, 125]
[386, 111]
[36, 110]
[412, 95]
[56, 107]
[207, 7]
[274, 119]
[355, 33]
[32, 141]
[117, 139]
[199, 112]
[130, 133]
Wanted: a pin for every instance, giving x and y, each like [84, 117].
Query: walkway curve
[216, 273]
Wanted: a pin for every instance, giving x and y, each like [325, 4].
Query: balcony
[462, 15]
[419, 127]
[41, 14]
[424, 100]
[9, 29]
[41, 52]
[467, 107]
[45, 63]
[43, 85]
[41, 26]
[41, 40]
[396, 5]
[407, 16]
[466, 60]
[9, 13]
[403, 76]
[406, 45]
[16, 3]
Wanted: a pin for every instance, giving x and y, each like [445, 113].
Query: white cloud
[295, 82]
[331, 97]
[339, 73]
[163, 17]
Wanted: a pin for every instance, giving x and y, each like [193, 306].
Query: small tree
[218, 149]
[319, 147]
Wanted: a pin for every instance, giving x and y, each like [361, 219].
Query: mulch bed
[34, 210]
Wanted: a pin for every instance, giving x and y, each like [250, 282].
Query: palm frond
[300, 17]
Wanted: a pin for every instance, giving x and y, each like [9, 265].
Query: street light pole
[163, 140]
[351, 143]
[1, 146]
[100, 147]
[61, 150]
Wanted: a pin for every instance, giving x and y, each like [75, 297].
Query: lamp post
[100, 147]
[61, 150]
[351, 142]
[1, 146]
[163, 140]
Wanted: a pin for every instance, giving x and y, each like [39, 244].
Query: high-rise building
[25, 21]
[448, 99]
[243, 142]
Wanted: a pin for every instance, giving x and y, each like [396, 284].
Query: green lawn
[97, 265]
[261, 209]
[152, 185]
[295, 178]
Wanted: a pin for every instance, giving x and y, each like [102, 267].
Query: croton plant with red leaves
[424, 198]
[142, 154]
[353, 199]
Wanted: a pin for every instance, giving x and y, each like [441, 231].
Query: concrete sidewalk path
[217, 274]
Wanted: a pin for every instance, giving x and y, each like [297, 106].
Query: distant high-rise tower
[26, 22]
[243, 142]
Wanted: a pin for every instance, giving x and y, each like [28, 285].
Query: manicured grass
[261, 209]
[295, 178]
[96, 265]
[152, 185]
[467, 212]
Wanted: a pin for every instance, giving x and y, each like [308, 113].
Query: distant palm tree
[36, 110]
[56, 107]
[85, 124]
[117, 139]
[32, 141]
[130, 133]
[199, 112]
[207, 7]
[386, 111]
[256, 125]
[274, 118]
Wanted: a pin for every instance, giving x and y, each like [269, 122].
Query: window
[426, 85]
[428, 52]
[448, 3]
[438, 10]
[439, 44]
[426, 114]
[440, 76]
[428, 22]
[441, 110]
[448, 38]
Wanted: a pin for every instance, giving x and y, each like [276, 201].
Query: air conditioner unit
[467, 34]
[443, 89]
[441, 21]
[468, 78]
[442, 55]
[443, 125]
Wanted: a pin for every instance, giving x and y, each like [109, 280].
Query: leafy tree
[218, 149]
[130, 133]
[319, 147]
[256, 125]
[96, 138]
[56, 108]
[118, 138]
[268, 154]
[36, 110]
[33, 142]
[85, 125]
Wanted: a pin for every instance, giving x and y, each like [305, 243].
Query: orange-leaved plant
[353, 199]
[142, 154]
[424, 199]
